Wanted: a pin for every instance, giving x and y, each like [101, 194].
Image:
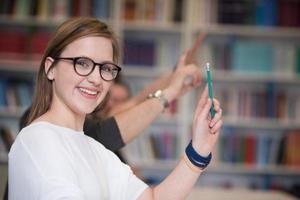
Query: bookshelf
[160, 30]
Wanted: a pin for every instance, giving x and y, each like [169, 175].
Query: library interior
[253, 48]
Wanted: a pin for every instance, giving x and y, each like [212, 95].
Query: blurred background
[253, 47]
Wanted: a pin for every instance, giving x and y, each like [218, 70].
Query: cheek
[106, 88]
[66, 84]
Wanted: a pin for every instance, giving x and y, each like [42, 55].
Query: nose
[95, 77]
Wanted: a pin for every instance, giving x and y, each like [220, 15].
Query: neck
[63, 116]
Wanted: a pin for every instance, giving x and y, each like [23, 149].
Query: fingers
[192, 54]
[216, 122]
[204, 94]
[205, 111]
[182, 60]
[216, 128]
[217, 117]
[216, 104]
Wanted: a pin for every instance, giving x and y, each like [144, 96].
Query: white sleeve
[39, 168]
[123, 183]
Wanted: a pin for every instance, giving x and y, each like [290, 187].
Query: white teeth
[88, 91]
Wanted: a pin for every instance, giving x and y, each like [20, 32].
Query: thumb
[206, 109]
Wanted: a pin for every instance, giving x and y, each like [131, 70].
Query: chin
[84, 109]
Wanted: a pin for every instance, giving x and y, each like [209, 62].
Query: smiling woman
[51, 158]
[81, 92]
[66, 34]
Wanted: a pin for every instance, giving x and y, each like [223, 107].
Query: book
[24, 95]
[250, 149]
[13, 42]
[139, 52]
[43, 9]
[236, 12]
[101, 9]
[3, 86]
[284, 58]
[38, 43]
[22, 9]
[252, 57]
[288, 13]
[298, 61]
[292, 156]
[266, 12]
[129, 10]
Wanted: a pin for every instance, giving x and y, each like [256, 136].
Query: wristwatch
[160, 96]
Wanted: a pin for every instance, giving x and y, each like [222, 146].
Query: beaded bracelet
[195, 158]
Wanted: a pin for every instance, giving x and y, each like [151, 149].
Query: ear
[49, 71]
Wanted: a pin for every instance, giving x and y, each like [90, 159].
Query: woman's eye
[83, 63]
[106, 68]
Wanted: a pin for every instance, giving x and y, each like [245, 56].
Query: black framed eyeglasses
[84, 66]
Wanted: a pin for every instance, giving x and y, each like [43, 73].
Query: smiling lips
[88, 93]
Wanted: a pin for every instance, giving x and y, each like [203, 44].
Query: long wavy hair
[65, 34]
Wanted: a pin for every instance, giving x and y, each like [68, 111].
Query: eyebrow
[105, 61]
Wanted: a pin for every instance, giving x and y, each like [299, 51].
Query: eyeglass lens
[84, 66]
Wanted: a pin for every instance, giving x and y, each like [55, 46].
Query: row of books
[249, 101]
[146, 52]
[259, 148]
[259, 101]
[240, 56]
[237, 55]
[155, 145]
[253, 56]
[162, 51]
[236, 146]
[23, 45]
[261, 13]
[54, 9]
[153, 10]
[15, 94]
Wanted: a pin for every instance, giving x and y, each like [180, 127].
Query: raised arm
[205, 133]
[163, 81]
[143, 111]
[160, 83]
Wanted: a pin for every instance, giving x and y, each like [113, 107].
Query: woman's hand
[178, 86]
[206, 130]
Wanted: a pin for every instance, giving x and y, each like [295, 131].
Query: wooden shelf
[38, 22]
[255, 170]
[223, 168]
[19, 65]
[232, 76]
[261, 123]
[150, 26]
[183, 34]
[250, 31]
[29, 21]
[11, 113]
[156, 71]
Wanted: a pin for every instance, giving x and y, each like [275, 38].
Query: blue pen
[210, 90]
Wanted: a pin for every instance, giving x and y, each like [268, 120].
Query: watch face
[158, 93]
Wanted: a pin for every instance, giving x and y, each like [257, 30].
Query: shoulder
[38, 131]
[43, 136]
